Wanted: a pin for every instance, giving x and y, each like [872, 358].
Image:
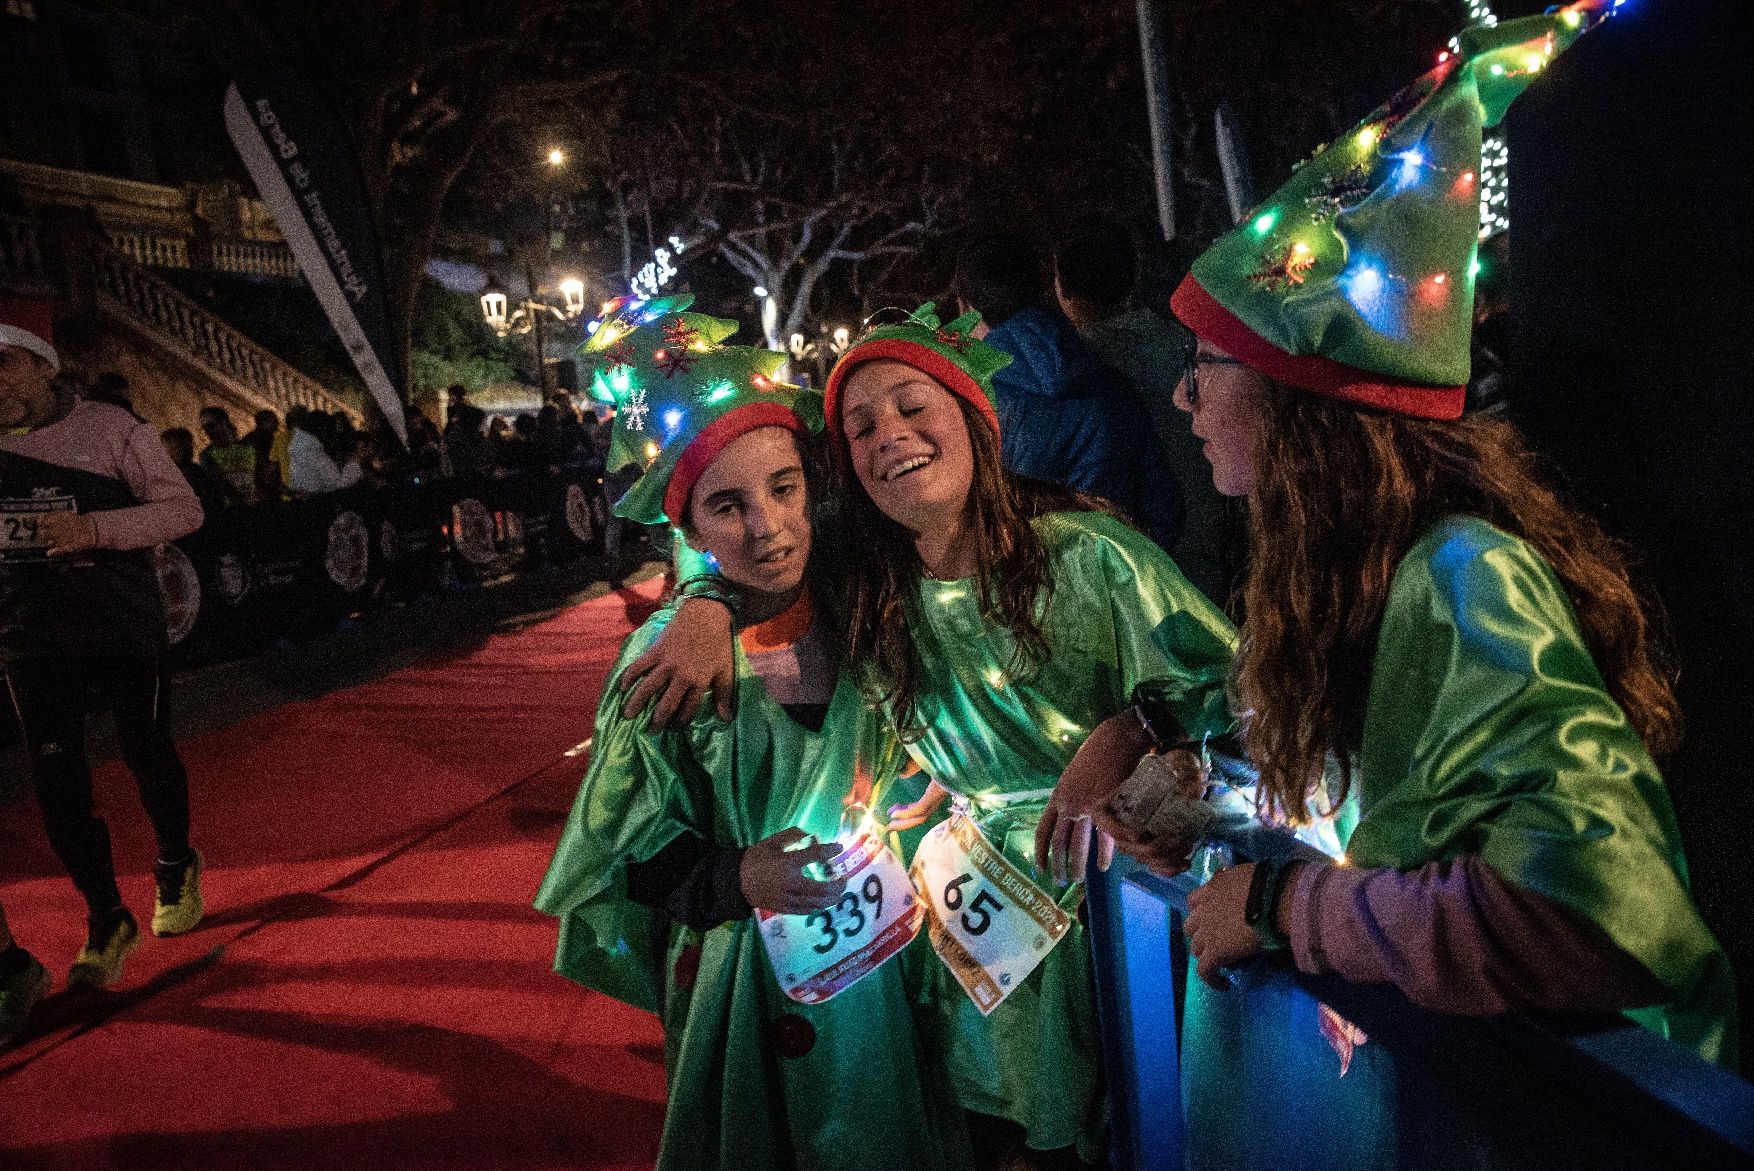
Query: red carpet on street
[371, 987]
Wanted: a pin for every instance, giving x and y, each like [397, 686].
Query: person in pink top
[86, 492]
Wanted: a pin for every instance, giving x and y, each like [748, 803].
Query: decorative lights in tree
[1494, 154]
[1494, 188]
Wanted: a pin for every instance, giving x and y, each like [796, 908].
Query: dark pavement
[216, 695]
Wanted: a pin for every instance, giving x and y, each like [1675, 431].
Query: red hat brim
[922, 358]
[1201, 312]
[713, 439]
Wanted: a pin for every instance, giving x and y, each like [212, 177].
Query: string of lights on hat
[1351, 172]
[1494, 153]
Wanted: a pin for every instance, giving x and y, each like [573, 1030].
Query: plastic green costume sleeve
[633, 802]
[1121, 613]
[756, 1081]
[1489, 730]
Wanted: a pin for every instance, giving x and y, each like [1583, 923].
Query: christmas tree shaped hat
[949, 353]
[1355, 279]
[681, 397]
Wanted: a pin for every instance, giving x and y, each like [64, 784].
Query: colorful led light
[1265, 221]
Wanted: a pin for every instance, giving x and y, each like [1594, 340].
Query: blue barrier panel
[1252, 1077]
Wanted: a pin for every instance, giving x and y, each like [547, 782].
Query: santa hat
[29, 325]
[1355, 280]
[681, 398]
[951, 354]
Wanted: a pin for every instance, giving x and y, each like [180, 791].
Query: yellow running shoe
[99, 963]
[18, 995]
[178, 907]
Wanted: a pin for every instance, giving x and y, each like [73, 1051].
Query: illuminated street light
[493, 307]
[572, 291]
[556, 157]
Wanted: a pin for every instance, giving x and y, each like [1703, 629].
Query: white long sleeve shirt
[311, 472]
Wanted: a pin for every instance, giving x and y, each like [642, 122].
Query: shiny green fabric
[1121, 613]
[1489, 731]
[864, 1096]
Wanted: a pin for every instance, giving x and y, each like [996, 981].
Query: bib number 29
[851, 907]
[979, 915]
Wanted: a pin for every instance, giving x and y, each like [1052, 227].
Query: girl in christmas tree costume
[677, 836]
[1006, 628]
[1004, 625]
[1423, 607]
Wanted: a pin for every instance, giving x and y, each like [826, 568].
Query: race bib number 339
[817, 955]
[989, 923]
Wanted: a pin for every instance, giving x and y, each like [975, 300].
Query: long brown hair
[1013, 576]
[1342, 494]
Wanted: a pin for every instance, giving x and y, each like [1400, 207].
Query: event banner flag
[299, 155]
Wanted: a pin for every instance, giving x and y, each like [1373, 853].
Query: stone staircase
[151, 306]
[117, 314]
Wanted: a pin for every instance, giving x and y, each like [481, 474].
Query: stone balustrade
[21, 251]
[153, 303]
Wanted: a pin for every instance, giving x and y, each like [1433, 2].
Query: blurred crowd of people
[313, 453]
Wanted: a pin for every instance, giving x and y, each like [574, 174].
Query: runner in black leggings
[86, 491]
[22, 983]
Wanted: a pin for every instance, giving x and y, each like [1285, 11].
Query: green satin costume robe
[1121, 613]
[863, 1096]
[1488, 730]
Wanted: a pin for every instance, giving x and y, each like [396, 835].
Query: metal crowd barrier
[253, 574]
[1286, 1073]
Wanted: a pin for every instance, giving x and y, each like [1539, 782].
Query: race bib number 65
[989, 923]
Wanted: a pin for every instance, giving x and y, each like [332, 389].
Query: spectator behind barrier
[1095, 273]
[425, 444]
[466, 448]
[312, 471]
[280, 450]
[261, 439]
[576, 442]
[228, 459]
[1064, 416]
[179, 444]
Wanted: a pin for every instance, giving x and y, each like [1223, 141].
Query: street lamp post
[824, 350]
[529, 314]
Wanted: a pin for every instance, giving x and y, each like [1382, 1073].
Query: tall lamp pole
[528, 316]
[1157, 106]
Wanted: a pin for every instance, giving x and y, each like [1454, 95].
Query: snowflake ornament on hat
[681, 397]
[1355, 279]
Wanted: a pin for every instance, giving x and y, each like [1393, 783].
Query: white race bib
[818, 955]
[21, 528]
[989, 923]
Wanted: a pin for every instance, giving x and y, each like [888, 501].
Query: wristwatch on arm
[1154, 707]
[1260, 909]
[713, 588]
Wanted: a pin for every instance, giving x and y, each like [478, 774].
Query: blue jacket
[1067, 418]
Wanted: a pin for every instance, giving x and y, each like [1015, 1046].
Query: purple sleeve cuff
[1457, 937]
